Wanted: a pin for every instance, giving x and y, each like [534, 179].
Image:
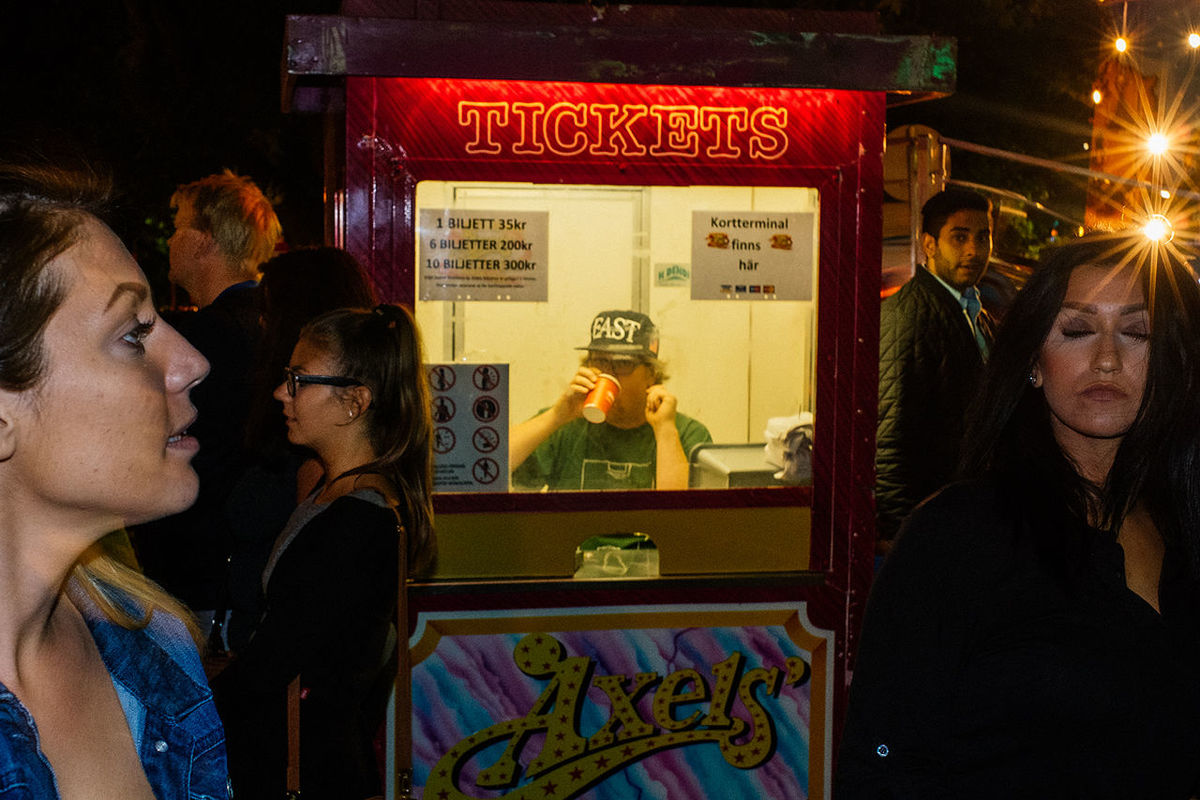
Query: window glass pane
[733, 363]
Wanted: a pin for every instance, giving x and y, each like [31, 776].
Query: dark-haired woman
[296, 287]
[1036, 631]
[355, 393]
[101, 689]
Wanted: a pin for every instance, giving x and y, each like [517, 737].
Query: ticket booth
[510, 170]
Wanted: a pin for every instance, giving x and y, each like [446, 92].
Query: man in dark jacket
[225, 228]
[934, 338]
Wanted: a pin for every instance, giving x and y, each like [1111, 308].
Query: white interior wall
[732, 364]
[591, 269]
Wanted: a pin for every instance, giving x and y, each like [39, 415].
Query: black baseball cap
[629, 332]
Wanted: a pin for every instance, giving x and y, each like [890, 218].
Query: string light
[1159, 229]
[1152, 148]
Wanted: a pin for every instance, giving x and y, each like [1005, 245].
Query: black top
[929, 370]
[186, 552]
[985, 671]
[329, 608]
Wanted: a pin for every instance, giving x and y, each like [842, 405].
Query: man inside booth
[642, 443]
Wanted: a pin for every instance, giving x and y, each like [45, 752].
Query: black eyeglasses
[614, 366]
[293, 380]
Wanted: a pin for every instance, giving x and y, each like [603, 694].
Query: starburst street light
[1145, 129]
[1159, 229]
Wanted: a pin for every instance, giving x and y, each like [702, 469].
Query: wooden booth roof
[659, 44]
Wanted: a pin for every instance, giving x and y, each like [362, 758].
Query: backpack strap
[402, 733]
[293, 740]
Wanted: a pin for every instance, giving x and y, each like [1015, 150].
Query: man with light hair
[225, 228]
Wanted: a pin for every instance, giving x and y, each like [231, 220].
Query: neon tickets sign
[729, 709]
[628, 130]
[475, 129]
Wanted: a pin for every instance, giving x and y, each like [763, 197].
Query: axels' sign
[567, 763]
[627, 131]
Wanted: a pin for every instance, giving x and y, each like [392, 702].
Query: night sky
[164, 92]
[161, 93]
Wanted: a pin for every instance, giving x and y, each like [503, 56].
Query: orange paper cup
[600, 399]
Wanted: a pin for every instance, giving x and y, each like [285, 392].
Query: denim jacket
[160, 682]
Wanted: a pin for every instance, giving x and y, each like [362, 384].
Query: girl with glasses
[296, 287]
[356, 394]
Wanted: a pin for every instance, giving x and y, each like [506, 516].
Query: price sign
[483, 255]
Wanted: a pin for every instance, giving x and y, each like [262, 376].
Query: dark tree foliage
[1025, 73]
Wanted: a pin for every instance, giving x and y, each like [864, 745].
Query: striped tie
[971, 296]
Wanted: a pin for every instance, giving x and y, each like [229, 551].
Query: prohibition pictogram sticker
[485, 408]
[485, 470]
[485, 377]
[443, 440]
[442, 377]
[443, 409]
[470, 419]
[485, 439]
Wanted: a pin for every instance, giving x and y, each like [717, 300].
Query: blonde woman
[103, 693]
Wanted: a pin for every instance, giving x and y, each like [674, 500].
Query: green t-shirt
[583, 455]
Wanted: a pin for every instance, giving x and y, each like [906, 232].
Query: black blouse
[983, 671]
[329, 609]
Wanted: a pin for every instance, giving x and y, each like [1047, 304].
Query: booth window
[737, 347]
